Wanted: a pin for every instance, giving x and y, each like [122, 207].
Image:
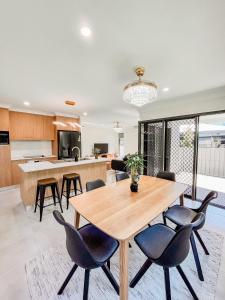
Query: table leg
[182, 200]
[77, 220]
[124, 270]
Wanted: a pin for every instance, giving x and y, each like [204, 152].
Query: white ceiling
[44, 60]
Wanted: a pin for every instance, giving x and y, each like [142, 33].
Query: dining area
[153, 221]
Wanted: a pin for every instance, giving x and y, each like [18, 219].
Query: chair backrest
[122, 176]
[177, 249]
[75, 244]
[166, 175]
[118, 165]
[212, 195]
[92, 185]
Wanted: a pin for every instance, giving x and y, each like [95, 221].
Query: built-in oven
[4, 137]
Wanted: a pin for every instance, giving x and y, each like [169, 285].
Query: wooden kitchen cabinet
[15, 171]
[49, 130]
[4, 119]
[65, 123]
[26, 126]
[5, 167]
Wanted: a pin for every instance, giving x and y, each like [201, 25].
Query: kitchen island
[89, 169]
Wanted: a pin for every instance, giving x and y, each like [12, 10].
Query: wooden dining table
[120, 213]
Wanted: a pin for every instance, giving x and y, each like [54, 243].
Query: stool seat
[42, 185]
[71, 176]
[68, 179]
[47, 181]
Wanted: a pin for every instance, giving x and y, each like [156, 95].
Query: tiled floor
[22, 236]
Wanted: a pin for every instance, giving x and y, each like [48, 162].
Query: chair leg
[108, 264]
[111, 279]
[57, 193]
[167, 283]
[68, 186]
[37, 195]
[86, 284]
[201, 242]
[187, 282]
[140, 273]
[53, 194]
[63, 183]
[80, 185]
[164, 218]
[67, 279]
[130, 245]
[75, 186]
[197, 261]
[42, 198]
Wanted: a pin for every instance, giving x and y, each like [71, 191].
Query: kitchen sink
[67, 160]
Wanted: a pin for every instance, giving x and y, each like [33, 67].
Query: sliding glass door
[152, 137]
[171, 145]
[211, 157]
[180, 149]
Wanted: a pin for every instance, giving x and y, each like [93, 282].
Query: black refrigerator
[66, 141]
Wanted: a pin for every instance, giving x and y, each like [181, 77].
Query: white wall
[210, 100]
[131, 140]
[26, 148]
[94, 134]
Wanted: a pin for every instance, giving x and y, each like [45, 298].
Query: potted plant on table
[135, 164]
[97, 151]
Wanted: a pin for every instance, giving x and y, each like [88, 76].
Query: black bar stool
[42, 184]
[69, 178]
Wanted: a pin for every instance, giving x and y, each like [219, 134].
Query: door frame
[195, 116]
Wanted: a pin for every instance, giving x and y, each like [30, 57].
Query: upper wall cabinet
[4, 119]
[68, 124]
[26, 126]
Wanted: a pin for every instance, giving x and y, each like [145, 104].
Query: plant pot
[134, 187]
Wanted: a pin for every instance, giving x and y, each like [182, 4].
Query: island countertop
[47, 165]
[31, 172]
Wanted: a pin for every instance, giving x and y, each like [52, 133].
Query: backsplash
[20, 149]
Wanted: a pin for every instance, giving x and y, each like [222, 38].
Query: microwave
[4, 137]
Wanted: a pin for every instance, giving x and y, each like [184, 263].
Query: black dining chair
[89, 248]
[181, 215]
[166, 175]
[95, 184]
[121, 176]
[167, 248]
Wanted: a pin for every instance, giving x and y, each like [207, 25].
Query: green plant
[135, 163]
[97, 151]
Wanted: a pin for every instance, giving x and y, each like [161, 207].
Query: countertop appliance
[67, 140]
[4, 137]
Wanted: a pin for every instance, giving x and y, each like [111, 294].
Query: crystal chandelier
[140, 92]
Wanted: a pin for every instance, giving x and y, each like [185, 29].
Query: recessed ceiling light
[85, 31]
[26, 103]
[166, 89]
[85, 114]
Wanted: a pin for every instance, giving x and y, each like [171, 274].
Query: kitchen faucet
[78, 152]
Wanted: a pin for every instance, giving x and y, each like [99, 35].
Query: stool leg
[37, 195]
[53, 194]
[75, 186]
[63, 183]
[68, 185]
[80, 185]
[42, 198]
[57, 192]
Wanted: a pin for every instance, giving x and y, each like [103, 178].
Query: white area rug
[46, 273]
